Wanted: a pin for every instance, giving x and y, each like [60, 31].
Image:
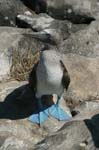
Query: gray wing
[66, 77]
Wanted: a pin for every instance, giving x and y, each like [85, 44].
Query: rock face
[16, 132]
[9, 10]
[35, 21]
[83, 42]
[17, 103]
[74, 135]
[78, 134]
[81, 56]
[38, 6]
[13, 47]
[47, 29]
[84, 73]
[73, 10]
[78, 45]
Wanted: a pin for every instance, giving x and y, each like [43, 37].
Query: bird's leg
[40, 105]
[54, 98]
[58, 100]
[41, 115]
[41, 108]
[58, 112]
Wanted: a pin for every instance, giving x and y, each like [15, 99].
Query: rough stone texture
[87, 106]
[79, 134]
[86, 109]
[38, 5]
[9, 10]
[47, 29]
[84, 42]
[36, 22]
[14, 44]
[17, 103]
[79, 48]
[84, 73]
[73, 134]
[76, 11]
[16, 132]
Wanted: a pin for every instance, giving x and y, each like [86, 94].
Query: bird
[49, 76]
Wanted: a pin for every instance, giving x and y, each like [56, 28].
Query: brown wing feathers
[66, 77]
[32, 78]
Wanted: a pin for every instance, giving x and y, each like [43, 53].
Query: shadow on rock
[20, 103]
[93, 126]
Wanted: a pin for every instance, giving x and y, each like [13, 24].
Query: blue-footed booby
[49, 76]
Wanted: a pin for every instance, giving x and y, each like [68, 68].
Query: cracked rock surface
[71, 28]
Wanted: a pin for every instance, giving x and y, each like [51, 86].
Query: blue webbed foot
[59, 113]
[39, 117]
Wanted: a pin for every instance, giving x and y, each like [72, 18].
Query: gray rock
[16, 132]
[84, 42]
[14, 47]
[47, 29]
[81, 55]
[36, 22]
[37, 5]
[76, 11]
[87, 106]
[75, 135]
[44, 21]
[84, 74]
[9, 10]
[17, 103]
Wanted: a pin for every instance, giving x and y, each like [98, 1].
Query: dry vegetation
[22, 65]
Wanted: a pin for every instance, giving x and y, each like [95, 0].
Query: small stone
[28, 13]
[69, 11]
[82, 146]
[6, 17]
